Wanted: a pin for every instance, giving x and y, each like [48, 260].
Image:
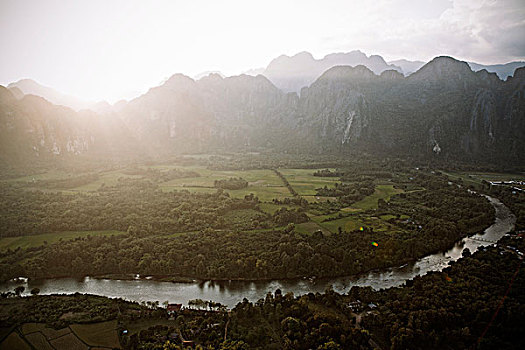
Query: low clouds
[106, 49]
[485, 31]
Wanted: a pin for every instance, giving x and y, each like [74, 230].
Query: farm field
[381, 192]
[305, 183]
[263, 183]
[348, 223]
[38, 240]
[102, 335]
[476, 178]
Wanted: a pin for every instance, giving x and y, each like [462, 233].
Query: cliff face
[222, 112]
[34, 129]
[443, 110]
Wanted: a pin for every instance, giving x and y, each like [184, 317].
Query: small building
[187, 343]
[355, 306]
[173, 309]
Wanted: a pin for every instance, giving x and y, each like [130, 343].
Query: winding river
[230, 293]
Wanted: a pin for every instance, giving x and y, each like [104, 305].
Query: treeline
[512, 198]
[284, 216]
[452, 310]
[233, 183]
[131, 202]
[313, 321]
[83, 308]
[348, 193]
[443, 209]
[286, 183]
[328, 173]
[478, 302]
[259, 255]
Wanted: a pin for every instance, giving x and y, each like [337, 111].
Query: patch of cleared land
[381, 191]
[38, 341]
[310, 227]
[102, 334]
[32, 327]
[51, 333]
[14, 342]
[305, 183]
[69, 341]
[262, 183]
[76, 336]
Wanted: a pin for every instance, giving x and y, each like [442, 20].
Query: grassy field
[311, 227]
[32, 327]
[305, 183]
[38, 341]
[76, 336]
[108, 178]
[352, 220]
[68, 341]
[381, 191]
[262, 183]
[13, 341]
[102, 334]
[477, 177]
[38, 240]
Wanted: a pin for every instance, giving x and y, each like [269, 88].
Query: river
[230, 293]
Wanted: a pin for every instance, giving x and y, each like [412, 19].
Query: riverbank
[231, 292]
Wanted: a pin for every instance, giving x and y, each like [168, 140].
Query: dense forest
[477, 302]
[435, 218]
[130, 203]
[379, 213]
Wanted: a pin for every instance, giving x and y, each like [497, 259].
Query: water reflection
[230, 293]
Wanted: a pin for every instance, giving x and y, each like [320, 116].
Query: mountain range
[288, 73]
[291, 74]
[443, 110]
[31, 87]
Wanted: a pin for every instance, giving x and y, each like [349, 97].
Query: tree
[35, 291]
[19, 290]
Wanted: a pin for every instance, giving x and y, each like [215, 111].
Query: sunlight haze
[119, 49]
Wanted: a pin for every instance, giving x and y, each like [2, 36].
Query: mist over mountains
[443, 110]
[291, 74]
[31, 87]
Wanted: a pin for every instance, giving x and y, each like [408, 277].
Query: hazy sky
[113, 49]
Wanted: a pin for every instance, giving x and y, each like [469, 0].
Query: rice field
[76, 336]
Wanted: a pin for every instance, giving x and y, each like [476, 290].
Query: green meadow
[381, 192]
[263, 183]
[305, 183]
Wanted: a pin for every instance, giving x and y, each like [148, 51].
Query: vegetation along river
[230, 293]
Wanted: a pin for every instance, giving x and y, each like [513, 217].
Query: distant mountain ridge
[444, 110]
[292, 73]
[31, 87]
[33, 129]
[502, 70]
